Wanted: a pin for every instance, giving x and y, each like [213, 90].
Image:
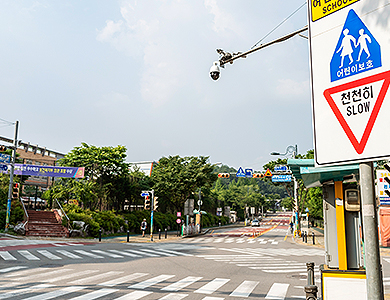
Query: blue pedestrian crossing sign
[357, 50]
[240, 173]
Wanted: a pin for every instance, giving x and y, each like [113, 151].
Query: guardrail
[25, 214]
[62, 210]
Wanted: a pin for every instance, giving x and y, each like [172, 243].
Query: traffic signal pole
[11, 177]
[151, 215]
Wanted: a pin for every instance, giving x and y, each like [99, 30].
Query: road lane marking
[139, 252]
[175, 252]
[134, 295]
[24, 291]
[46, 274]
[95, 294]
[96, 277]
[181, 284]
[244, 289]
[152, 281]
[106, 253]
[28, 255]
[124, 253]
[88, 254]
[11, 269]
[49, 255]
[157, 252]
[123, 279]
[72, 275]
[277, 291]
[212, 286]
[69, 254]
[57, 293]
[6, 255]
[174, 296]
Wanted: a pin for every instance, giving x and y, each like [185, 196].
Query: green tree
[106, 174]
[175, 178]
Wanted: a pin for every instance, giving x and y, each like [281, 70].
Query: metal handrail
[69, 226]
[25, 213]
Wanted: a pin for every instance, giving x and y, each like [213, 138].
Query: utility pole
[11, 177]
[374, 280]
[151, 215]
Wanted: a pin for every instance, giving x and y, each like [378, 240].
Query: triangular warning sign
[240, 173]
[356, 106]
[268, 173]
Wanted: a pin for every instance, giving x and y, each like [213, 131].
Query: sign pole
[11, 178]
[374, 280]
[151, 215]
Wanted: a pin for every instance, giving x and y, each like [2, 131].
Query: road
[235, 263]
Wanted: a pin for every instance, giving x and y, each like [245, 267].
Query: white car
[255, 222]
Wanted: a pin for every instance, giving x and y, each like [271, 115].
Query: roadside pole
[374, 280]
[11, 177]
[151, 215]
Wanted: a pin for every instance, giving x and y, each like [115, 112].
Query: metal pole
[11, 177]
[374, 278]
[151, 216]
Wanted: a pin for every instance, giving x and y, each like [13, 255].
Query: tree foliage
[176, 178]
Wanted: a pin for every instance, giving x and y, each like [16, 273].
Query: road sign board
[350, 80]
[268, 173]
[282, 168]
[281, 178]
[5, 158]
[144, 194]
[248, 173]
[240, 173]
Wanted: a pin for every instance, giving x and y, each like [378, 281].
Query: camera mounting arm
[226, 57]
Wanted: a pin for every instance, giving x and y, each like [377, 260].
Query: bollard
[310, 289]
[159, 234]
[128, 236]
[303, 236]
[100, 235]
[312, 235]
[219, 224]
[306, 237]
[166, 233]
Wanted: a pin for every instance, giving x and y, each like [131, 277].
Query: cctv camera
[214, 71]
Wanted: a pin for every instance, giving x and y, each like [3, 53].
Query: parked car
[255, 222]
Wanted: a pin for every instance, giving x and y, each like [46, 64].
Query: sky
[136, 73]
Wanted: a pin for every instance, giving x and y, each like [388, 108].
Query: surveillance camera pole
[11, 177]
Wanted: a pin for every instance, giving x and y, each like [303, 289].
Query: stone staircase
[45, 224]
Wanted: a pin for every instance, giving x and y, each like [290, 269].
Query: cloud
[222, 20]
[292, 88]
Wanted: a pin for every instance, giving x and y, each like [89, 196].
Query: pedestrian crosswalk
[268, 260]
[234, 240]
[41, 284]
[79, 254]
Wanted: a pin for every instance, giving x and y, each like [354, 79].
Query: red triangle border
[359, 146]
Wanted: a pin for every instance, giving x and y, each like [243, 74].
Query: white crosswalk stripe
[57, 293]
[28, 255]
[244, 289]
[265, 260]
[69, 254]
[18, 286]
[95, 294]
[82, 254]
[237, 240]
[212, 286]
[134, 295]
[149, 282]
[181, 284]
[49, 255]
[11, 269]
[277, 291]
[6, 255]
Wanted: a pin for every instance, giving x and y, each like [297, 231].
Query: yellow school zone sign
[322, 8]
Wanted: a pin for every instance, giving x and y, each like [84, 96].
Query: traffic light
[155, 203]
[147, 203]
[258, 175]
[15, 191]
[223, 175]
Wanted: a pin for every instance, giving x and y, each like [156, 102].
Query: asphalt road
[228, 263]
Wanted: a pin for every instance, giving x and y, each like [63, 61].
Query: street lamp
[292, 151]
